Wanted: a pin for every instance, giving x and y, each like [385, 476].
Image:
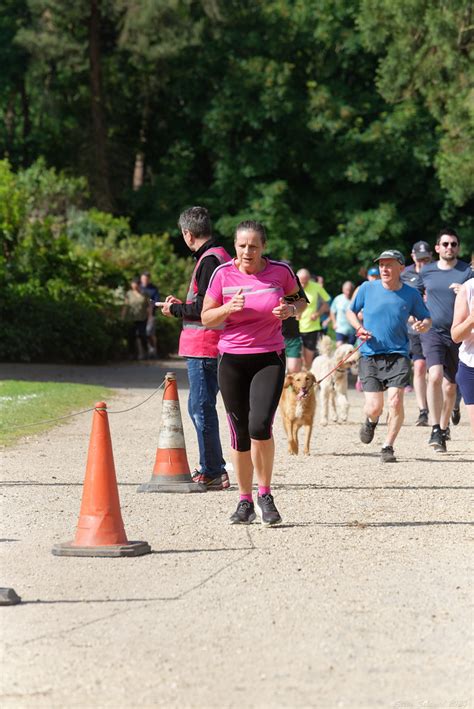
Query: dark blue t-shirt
[410, 276]
[440, 298]
[386, 314]
[152, 292]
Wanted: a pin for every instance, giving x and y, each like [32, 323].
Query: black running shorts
[380, 372]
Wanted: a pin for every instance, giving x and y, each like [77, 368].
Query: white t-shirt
[466, 351]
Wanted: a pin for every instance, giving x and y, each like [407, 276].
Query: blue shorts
[416, 350]
[465, 382]
[349, 339]
[438, 348]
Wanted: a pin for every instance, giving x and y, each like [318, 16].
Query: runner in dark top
[421, 255]
[440, 282]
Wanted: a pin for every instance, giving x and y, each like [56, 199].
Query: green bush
[37, 327]
[64, 271]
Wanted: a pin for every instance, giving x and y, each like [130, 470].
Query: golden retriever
[297, 407]
[333, 389]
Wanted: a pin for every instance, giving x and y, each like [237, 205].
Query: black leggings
[251, 386]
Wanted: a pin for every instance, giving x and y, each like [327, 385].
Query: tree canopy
[345, 127]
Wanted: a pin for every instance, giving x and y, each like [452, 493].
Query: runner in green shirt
[310, 319]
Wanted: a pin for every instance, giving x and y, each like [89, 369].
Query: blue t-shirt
[440, 297]
[338, 307]
[152, 292]
[386, 314]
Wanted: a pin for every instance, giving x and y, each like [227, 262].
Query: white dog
[333, 389]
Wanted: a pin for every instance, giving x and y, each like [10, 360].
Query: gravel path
[362, 598]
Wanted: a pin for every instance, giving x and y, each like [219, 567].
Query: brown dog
[297, 407]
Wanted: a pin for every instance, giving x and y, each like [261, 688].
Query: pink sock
[264, 490]
[246, 497]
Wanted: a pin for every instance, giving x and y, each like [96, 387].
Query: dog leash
[344, 359]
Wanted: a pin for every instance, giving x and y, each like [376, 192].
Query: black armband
[292, 298]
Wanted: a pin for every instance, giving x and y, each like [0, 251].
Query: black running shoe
[422, 419]
[446, 433]
[456, 416]
[437, 441]
[387, 455]
[244, 514]
[267, 510]
[367, 430]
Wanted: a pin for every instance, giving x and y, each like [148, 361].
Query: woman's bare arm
[213, 314]
[463, 320]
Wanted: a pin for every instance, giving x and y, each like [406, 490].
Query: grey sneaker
[210, 483]
[267, 510]
[387, 455]
[367, 430]
[422, 419]
[244, 514]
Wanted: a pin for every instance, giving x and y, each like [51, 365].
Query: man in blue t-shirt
[440, 281]
[386, 306]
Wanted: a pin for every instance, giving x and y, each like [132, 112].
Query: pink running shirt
[254, 329]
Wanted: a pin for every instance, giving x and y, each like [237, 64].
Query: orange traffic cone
[100, 530]
[171, 472]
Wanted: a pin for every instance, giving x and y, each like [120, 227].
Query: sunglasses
[446, 244]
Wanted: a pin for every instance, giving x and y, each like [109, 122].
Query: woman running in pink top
[249, 297]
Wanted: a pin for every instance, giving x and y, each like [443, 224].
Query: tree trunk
[10, 124]
[25, 108]
[139, 167]
[101, 178]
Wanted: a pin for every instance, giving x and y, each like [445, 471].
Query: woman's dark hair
[447, 231]
[252, 225]
[196, 220]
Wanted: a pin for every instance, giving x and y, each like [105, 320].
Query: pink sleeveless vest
[197, 340]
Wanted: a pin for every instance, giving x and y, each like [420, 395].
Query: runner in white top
[462, 330]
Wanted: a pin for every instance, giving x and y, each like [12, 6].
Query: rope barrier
[85, 411]
[124, 411]
[136, 406]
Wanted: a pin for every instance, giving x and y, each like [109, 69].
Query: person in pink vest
[199, 345]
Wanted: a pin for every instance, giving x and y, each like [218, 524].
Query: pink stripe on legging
[233, 433]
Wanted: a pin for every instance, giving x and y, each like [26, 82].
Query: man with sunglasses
[421, 255]
[440, 281]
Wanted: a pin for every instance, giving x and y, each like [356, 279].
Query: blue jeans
[203, 389]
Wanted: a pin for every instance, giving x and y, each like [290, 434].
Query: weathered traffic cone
[100, 530]
[9, 597]
[171, 472]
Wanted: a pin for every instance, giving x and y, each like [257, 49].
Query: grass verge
[24, 403]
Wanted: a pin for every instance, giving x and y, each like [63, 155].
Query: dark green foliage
[37, 327]
[344, 126]
[64, 271]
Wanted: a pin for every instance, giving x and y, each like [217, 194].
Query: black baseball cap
[391, 253]
[421, 249]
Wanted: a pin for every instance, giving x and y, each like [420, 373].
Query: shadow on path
[118, 375]
[275, 486]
